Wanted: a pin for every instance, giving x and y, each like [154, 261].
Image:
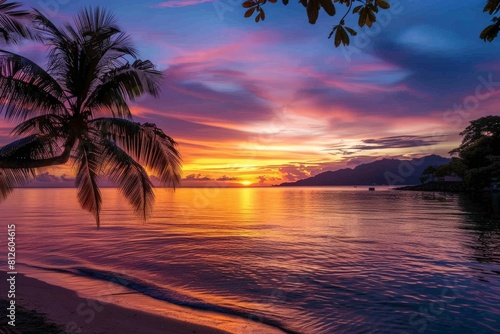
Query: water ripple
[310, 260]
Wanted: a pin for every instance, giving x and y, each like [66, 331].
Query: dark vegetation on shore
[476, 162]
[439, 186]
[27, 322]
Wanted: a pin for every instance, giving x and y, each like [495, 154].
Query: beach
[48, 308]
[63, 307]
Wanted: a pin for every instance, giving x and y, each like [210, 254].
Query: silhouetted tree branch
[366, 10]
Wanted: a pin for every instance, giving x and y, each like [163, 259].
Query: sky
[264, 103]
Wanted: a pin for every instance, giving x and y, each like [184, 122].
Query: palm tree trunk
[9, 162]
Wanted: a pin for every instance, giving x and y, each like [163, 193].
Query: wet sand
[48, 308]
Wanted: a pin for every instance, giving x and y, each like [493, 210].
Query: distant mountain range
[380, 172]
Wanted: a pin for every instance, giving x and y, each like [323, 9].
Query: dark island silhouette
[380, 172]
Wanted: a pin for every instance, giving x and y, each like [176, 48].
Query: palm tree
[76, 111]
[14, 23]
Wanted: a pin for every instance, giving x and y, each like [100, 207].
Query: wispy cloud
[392, 142]
[398, 142]
[180, 3]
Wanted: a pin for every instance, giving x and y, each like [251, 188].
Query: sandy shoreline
[74, 313]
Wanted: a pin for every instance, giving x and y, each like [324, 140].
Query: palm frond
[130, 176]
[148, 76]
[44, 124]
[125, 83]
[98, 28]
[82, 54]
[11, 178]
[147, 144]
[117, 46]
[15, 23]
[88, 164]
[26, 90]
[52, 35]
[61, 47]
[95, 20]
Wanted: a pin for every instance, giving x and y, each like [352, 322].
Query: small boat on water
[371, 188]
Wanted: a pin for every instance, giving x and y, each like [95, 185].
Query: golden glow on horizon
[246, 183]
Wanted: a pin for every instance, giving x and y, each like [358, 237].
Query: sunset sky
[263, 103]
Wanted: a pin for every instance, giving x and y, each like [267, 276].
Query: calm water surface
[306, 260]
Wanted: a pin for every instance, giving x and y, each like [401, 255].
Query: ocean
[304, 260]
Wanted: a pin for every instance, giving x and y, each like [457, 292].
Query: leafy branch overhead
[366, 11]
[491, 32]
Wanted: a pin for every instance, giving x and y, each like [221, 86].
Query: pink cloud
[180, 3]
